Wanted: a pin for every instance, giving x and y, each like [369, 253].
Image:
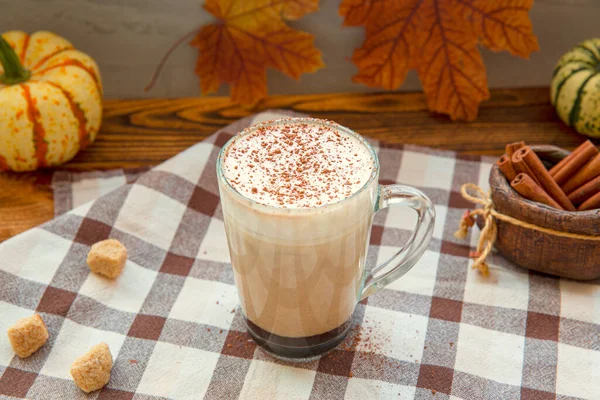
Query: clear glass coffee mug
[300, 272]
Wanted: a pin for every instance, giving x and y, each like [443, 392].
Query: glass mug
[300, 272]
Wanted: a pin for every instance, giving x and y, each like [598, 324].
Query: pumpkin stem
[14, 72]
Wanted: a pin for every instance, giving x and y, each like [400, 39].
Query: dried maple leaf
[439, 39]
[249, 36]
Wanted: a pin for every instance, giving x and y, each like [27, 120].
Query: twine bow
[489, 232]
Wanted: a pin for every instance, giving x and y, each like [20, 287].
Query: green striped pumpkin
[575, 90]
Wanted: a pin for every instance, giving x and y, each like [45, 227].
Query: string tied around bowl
[489, 232]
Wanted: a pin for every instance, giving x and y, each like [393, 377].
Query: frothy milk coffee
[298, 198]
[298, 262]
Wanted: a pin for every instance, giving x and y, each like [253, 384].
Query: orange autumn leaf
[248, 37]
[438, 38]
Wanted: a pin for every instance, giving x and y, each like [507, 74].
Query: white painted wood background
[128, 37]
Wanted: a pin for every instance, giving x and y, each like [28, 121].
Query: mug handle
[411, 252]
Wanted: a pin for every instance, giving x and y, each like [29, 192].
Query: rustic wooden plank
[25, 202]
[146, 132]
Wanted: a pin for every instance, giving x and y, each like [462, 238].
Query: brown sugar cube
[27, 335]
[91, 371]
[107, 258]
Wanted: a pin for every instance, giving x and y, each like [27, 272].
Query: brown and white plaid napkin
[73, 189]
[174, 327]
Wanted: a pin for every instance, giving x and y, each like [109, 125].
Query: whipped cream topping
[297, 165]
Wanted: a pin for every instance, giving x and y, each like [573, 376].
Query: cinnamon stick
[526, 187]
[591, 204]
[582, 155]
[512, 147]
[506, 167]
[521, 167]
[584, 192]
[588, 172]
[554, 170]
[543, 177]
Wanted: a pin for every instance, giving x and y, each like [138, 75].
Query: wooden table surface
[146, 132]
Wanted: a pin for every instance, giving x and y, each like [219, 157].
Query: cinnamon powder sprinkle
[296, 165]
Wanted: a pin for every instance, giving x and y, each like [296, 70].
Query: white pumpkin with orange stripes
[50, 100]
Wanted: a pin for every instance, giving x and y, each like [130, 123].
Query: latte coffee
[298, 199]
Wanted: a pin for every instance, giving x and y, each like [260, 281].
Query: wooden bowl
[539, 251]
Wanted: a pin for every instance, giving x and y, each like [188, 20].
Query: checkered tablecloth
[175, 330]
[73, 189]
